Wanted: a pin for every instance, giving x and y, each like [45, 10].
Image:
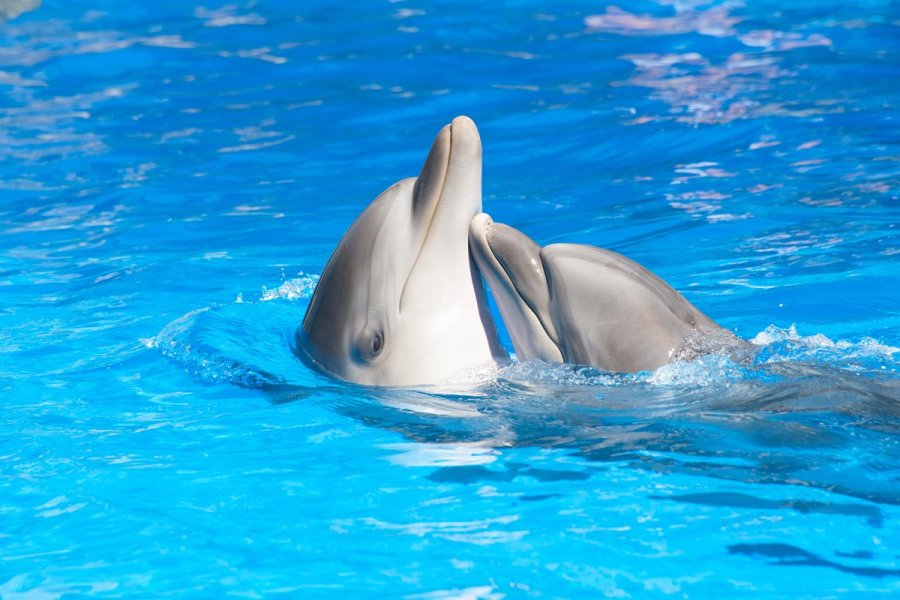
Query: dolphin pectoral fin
[510, 262]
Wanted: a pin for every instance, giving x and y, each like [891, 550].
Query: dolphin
[581, 304]
[400, 302]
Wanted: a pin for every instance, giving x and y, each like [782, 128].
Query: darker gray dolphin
[581, 304]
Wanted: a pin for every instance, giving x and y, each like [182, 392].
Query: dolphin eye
[377, 343]
[369, 344]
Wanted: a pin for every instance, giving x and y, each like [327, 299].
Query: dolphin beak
[446, 195]
[511, 263]
[451, 170]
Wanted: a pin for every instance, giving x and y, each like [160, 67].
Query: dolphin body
[581, 304]
[400, 302]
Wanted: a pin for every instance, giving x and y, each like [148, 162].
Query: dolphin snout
[462, 127]
[479, 228]
[465, 143]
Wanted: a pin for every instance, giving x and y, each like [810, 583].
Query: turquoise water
[173, 179]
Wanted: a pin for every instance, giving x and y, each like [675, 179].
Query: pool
[174, 177]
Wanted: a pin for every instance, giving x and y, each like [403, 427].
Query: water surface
[173, 178]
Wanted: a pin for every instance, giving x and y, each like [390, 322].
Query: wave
[248, 342]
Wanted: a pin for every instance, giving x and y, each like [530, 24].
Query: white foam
[299, 288]
[788, 344]
[703, 370]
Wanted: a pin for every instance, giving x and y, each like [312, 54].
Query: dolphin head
[400, 301]
[586, 305]
[511, 263]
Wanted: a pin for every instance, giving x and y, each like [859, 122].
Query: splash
[298, 288]
[771, 348]
[709, 369]
[704, 371]
[540, 373]
[781, 345]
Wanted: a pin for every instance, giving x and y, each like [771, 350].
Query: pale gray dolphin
[400, 302]
[581, 304]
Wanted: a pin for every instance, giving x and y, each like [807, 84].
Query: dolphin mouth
[512, 264]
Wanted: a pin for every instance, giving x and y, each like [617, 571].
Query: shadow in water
[469, 474]
[786, 555]
[835, 431]
[871, 514]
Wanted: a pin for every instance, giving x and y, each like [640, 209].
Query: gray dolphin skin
[585, 305]
[400, 301]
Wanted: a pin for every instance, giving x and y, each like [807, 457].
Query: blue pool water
[174, 177]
